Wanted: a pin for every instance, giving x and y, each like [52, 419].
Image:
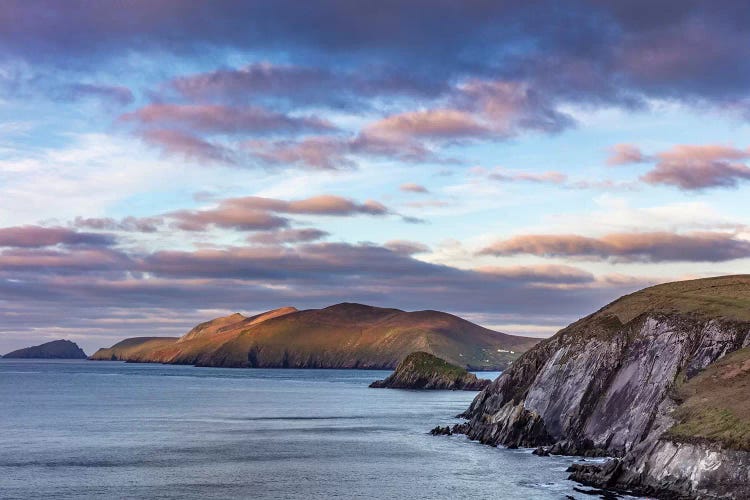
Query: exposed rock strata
[420, 370]
[606, 385]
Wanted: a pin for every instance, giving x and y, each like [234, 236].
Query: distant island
[57, 349]
[345, 335]
[421, 370]
[658, 379]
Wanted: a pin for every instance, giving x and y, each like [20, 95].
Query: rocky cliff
[613, 384]
[57, 349]
[340, 336]
[420, 370]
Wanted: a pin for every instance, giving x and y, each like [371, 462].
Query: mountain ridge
[345, 335]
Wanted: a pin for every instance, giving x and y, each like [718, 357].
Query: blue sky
[519, 164]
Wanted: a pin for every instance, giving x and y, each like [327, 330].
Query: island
[422, 370]
[344, 335]
[57, 349]
[658, 379]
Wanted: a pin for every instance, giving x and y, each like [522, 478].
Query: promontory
[658, 379]
[57, 349]
[345, 335]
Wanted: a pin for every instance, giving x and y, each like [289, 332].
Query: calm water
[81, 429]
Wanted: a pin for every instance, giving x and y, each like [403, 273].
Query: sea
[93, 429]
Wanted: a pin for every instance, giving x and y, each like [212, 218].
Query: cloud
[70, 261]
[325, 153]
[591, 52]
[628, 247]
[693, 168]
[298, 85]
[405, 247]
[114, 94]
[500, 174]
[337, 153]
[541, 274]
[39, 236]
[508, 107]
[215, 119]
[131, 224]
[623, 154]
[253, 213]
[287, 236]
[110, 294]
[411, 187]
[188, 146]
[437, 124]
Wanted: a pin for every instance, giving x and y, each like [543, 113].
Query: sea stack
[421, 370]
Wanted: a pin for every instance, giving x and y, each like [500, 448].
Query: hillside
[57, 349]
[715, 404]
[658, 378]
[340, 336]
[420, 370]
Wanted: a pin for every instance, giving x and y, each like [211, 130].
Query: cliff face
[57, 349]
[420, 370]
[340, 336]
[609, 385]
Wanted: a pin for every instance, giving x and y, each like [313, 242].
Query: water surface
[82, 429]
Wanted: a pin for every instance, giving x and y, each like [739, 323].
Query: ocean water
[84, 429]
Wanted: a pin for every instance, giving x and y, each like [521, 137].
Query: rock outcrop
[420, 370]
[340, 336]
[613, 384]
[57, 349]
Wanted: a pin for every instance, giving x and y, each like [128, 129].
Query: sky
[517, 163]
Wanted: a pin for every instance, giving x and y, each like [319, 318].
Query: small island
[421, 370]
[57, 349]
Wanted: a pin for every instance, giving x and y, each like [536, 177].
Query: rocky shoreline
[607, 386]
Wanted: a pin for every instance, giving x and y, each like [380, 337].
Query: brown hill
[340, 336]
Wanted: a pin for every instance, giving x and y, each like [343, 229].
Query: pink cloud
[187, 145]
[438, 124]
[257, 213]
[315, 152]
[411, 187]
[40, 236]
[287, 236]
[691, 167]
[650, 246]
[622, 154]
[224, 119]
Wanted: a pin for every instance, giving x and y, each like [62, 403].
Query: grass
[427, 364]
[714, 425]
[715, 404]
[723, 297]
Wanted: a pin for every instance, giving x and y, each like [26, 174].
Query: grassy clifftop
[723, 297]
